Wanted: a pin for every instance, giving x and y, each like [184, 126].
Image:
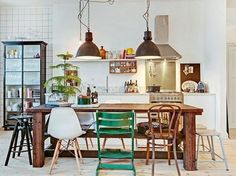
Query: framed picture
[189, 72]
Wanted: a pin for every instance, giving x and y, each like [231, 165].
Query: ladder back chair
[115, 124]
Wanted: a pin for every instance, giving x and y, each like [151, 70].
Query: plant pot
[84, 100]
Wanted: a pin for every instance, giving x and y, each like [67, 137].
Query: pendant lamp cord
[88, 15]
[146, 15]
[82, 6]
[80, 17]
[81, 2]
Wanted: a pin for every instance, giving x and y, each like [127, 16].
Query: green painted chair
[115, 124]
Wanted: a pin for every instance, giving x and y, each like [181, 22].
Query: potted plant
[66, 85]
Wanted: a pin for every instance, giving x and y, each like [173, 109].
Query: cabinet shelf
[11, 58]
[35, 58]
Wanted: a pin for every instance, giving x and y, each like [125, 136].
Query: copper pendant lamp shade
[88, 49]
[147, 49]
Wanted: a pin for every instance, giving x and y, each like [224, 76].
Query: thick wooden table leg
[189, 142]
[38, 139]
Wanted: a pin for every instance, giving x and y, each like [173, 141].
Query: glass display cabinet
[24, 77]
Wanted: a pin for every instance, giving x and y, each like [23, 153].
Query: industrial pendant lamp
[147, 49]
[88, 50]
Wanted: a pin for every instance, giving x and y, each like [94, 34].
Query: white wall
[197, 31]
[120, 26]
[24, 23]
[215, 57]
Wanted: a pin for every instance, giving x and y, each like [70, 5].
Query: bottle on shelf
[136, 87]
[88, 91]
[126, 87]
[94, 96]
[102, 53]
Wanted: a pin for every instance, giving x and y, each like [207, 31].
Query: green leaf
[65, 66]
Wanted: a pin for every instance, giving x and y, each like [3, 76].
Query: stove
[168, 97]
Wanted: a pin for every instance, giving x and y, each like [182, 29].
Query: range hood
[162, 38]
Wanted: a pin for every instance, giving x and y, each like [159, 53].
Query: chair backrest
[124, 120]
[115, 123]
[64, 123]
[165, 121]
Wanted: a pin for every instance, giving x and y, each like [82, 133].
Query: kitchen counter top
[121, 94]
[197, 94]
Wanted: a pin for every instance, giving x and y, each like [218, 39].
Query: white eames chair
[64, 125]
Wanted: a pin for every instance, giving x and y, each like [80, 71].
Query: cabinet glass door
[13, 80]
[13, 51]
[31, 76]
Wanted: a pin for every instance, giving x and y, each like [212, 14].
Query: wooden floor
[232, 133]
[67, 166]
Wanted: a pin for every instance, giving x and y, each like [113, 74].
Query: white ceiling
[230, 3]
[32, 2]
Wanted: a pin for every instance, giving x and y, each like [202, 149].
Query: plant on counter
[67, 84]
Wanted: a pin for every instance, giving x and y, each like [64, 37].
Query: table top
[137, 107]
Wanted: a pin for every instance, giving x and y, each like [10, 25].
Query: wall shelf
[98, 60]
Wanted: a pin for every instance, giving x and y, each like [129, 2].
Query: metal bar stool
[23, 125]
[209, 134]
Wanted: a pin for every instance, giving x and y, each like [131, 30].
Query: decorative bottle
[102, 53]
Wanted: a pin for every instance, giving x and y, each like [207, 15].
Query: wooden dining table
[189, 127]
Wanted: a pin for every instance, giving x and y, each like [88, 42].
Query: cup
[129, 51]
[8, 94]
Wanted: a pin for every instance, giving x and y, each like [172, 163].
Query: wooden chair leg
[168, 153]
[203, 145]
[86, 142]
[153, 156]
[175, 156]
[54, 156]
[78, 148]
[91, 142]
[104, 143]
[58, 152]
[123, 144]
[76, 153]
[148, 152]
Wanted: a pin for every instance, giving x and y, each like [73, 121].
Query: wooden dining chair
[163, 126]
[115, 124]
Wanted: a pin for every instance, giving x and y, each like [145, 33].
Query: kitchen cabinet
[24, 77]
